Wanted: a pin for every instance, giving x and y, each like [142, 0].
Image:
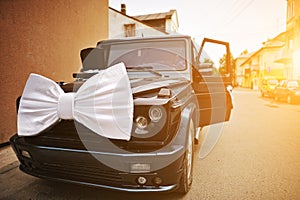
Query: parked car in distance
[288, 90]
[268, 86]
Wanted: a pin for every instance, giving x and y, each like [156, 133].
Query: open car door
[212, 80]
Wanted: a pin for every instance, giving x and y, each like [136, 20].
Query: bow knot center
[65, 107]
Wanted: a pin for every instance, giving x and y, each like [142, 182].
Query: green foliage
[222, 62]
[208, 60]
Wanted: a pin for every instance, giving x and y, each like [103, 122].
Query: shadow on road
[58, 190]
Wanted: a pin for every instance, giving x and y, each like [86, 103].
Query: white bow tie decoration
[104, 104]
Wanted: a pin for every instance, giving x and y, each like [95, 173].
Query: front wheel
[289, 99]
[187, 174]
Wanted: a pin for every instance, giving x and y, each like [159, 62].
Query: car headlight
[141, 122]
[149, 122]
[156, 113]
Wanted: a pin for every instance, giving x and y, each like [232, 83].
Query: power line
[237, 14]
[217, 5]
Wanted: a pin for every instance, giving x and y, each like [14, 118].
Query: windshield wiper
[145, 69]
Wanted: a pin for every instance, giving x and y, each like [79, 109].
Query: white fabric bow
[104, 104]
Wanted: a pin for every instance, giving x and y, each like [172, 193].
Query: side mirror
[92, 59]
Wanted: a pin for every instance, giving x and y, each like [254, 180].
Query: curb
[8, 160]
[4, 144]
[9, 167]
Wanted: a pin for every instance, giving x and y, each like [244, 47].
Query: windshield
[273, 82]
[292, 84]
[159, 55]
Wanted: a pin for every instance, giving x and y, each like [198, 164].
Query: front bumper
[98, 162]
[85, 167]
[296, 98]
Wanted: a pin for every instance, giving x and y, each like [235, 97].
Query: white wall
[171, 24]
[116, 26]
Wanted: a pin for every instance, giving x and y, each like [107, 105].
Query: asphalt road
[257, 156]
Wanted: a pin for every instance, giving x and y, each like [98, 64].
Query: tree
[223, 68]
[208, 60]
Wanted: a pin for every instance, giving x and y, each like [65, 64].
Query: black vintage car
[177, 89]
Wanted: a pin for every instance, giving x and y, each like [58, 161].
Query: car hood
[148, 91]
[294, 89]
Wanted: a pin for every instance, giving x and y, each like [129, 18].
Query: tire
[276, 97]
[187, 174]
[289, 99]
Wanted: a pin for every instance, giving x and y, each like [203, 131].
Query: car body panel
[288, 90]
[68, 151]
[268, 86]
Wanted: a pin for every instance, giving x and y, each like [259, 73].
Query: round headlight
[155, 113]
[141, 122]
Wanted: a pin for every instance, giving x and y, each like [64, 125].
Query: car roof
[143, 38]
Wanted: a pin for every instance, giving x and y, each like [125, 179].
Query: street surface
[257, 157]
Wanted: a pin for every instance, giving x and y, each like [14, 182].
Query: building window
[291, 11]
[129, 30]
[290, 45]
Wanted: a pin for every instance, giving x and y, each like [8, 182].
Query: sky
[246, 24]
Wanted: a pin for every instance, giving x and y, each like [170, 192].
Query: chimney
[123, 8]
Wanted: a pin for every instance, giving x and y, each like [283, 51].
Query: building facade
[240, 71]
[121, 25]
[165, 21]
[264, 63]
[43, 37]
[291, 52]
[280, 56]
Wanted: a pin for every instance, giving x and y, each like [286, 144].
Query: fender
[188, 113]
